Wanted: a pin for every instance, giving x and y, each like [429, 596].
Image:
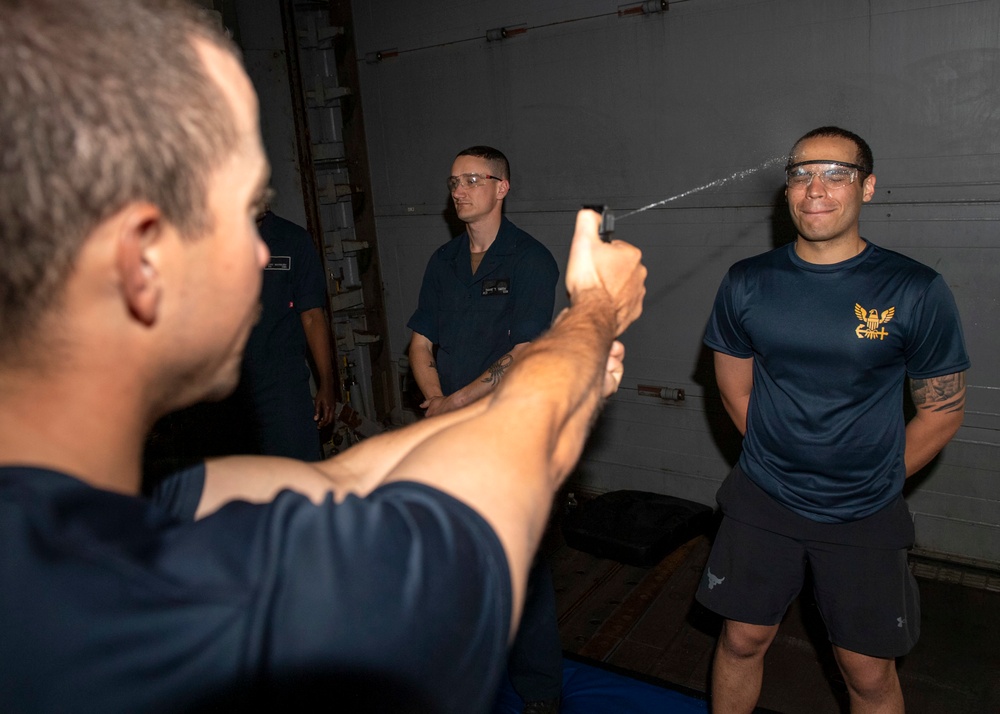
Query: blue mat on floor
[592, 690]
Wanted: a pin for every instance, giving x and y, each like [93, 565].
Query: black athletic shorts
[865, 593]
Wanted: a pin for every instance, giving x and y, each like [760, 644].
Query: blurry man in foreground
[387, 579]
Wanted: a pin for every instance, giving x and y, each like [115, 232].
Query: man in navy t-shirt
[814, 343]
[387, 579]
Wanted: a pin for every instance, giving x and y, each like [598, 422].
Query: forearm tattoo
[496, 370]
[939, 394]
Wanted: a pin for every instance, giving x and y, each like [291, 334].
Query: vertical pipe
[303, 143]
[356, 152]
[303, 140]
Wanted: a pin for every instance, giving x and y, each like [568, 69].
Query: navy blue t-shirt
[110, 603]
[474, 320]
[832, 345]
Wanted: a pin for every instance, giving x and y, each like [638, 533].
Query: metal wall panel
[590, 106]
[264, 55]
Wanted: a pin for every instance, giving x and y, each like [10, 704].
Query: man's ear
[503, 187]
[140, 231]
[868, 188]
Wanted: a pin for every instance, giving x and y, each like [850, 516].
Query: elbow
[415, 348]
[952, 422]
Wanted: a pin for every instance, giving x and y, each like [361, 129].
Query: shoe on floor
[542, 706]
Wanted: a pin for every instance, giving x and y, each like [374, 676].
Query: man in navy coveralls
[387, 579]
[284, 413]
[485, 295]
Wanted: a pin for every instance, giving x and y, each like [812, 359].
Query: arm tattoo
[497, 369]
[939, 394]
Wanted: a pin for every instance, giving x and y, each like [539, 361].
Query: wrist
[590, 292]
[596, 304]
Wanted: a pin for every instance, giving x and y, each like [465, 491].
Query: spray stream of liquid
[738, 175]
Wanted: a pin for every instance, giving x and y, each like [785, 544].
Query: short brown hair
[863, 157]
[494, 157]
[105, 102]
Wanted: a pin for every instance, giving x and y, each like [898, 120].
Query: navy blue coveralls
[275, 372]
[473, 320]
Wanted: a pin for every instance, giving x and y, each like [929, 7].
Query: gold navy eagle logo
[871, 322]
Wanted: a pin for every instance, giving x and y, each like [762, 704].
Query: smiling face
[475, 203]
[823, 215]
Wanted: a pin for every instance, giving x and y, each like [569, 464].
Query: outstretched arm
[504, 456]
[940, 403]
[358, 470]
[507, 461]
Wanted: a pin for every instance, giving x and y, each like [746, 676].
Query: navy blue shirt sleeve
[424, 319]
[179, 493]
[725, 333]
[408, 585]
[939, 344]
